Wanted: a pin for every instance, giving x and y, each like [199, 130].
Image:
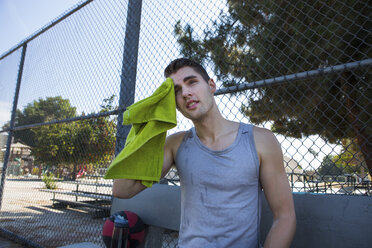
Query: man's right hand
[127, 188]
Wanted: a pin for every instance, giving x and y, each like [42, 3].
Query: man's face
[194, 96]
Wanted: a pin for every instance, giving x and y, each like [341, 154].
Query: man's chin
[191, 116]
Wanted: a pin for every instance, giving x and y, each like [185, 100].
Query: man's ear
[212, 85]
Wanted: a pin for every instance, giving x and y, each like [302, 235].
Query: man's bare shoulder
[263, 134]
[265, 140]
[176, 136]
[173, 141]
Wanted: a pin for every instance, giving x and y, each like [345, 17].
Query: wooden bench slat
[90, 195]
[88, 183]
[82, 204]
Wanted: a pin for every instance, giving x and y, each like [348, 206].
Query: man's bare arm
[127, 188]
[276, 188]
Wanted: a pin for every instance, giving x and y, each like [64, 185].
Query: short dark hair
[177, 64]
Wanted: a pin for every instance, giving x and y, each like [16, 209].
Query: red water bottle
[120, 232]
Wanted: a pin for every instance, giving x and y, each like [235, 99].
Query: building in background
[3, 139]
[20, 159]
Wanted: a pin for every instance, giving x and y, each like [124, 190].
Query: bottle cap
[120, 221]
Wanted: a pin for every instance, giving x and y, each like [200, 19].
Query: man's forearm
[282, 232]
[126, 188]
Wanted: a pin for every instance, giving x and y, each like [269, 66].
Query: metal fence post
[12, 120]
[127, 92]
[129, 68]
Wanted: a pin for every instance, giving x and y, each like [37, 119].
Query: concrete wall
[322, 220]
[159, 206]
[328, 220]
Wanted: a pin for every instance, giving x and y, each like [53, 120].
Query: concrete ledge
[81, 245]
[322, 220]
[333, 220]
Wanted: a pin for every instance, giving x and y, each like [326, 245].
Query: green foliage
[261, 39]
[79, 142]
[49, 180]
[349, 161]
[42, 110]
[350, 158]
[108, 104]
[84, 142]
[35, 171]
[314, 153]
[328, 167]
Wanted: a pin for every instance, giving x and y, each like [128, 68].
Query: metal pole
[82, 117]
[292, 180]
[295, 76]
[129, 68]
[12, 119]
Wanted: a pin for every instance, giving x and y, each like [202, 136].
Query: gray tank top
[220, 192]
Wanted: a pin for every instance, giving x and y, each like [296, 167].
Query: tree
[257, 40]
[52, 108]
[78, 143]
[83, 142]
[328, 167]
[350, 159]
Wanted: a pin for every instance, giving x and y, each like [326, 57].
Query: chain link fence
[301, 69]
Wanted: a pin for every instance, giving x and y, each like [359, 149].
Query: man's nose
[186, 91]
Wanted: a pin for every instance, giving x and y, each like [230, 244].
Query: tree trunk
[74, 172]
[366, 148]
[40, 171]
[363, 138]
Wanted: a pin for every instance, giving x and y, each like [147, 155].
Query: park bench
[92, 199]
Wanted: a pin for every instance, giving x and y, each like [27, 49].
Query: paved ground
[5, 243]
[27, 212]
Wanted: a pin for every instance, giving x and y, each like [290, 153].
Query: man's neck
[211, 127]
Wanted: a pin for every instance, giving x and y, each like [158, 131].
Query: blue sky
[21, 18]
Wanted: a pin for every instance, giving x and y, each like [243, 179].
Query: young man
[223, 167]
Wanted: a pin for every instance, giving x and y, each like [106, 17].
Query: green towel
[143, 154]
